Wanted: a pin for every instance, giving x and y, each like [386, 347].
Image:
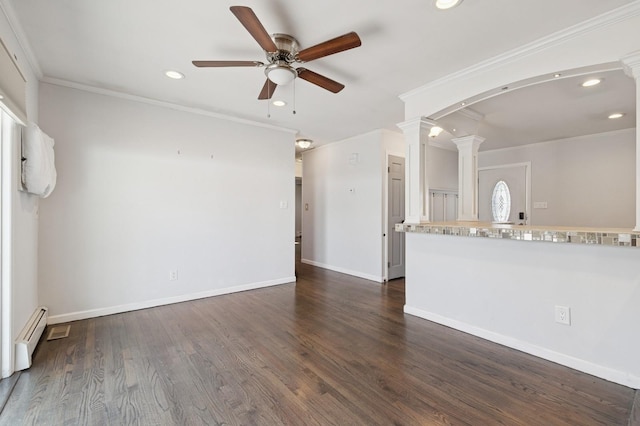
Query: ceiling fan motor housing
[288, 48]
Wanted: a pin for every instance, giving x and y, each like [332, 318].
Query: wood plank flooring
[329, 350]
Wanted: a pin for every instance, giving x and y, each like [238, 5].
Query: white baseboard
[378, 279]
[93, 313]
[606, 373]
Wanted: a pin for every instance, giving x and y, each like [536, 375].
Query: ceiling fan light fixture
[280, 74]
[304, 143]
[279, 103]
[447, 4]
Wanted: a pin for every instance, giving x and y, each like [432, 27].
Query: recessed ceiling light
[463, 103]
[592, 82]
[174, 75]
[1, 97]
[279, 103]
[556, 75]
[616, 115]
[447, 4]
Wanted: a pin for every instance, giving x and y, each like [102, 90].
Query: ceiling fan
[282, 50]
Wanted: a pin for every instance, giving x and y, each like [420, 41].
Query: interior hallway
[330, 349]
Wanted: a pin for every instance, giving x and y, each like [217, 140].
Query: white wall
[343, 184]
[586, 181]
[442, 167]
[144, 189]
[24, 220]
[506, 291]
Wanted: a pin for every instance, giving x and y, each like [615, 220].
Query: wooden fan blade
[227, 63]
[335, 45]
[267, 90]
[251, 22]
[320, 80]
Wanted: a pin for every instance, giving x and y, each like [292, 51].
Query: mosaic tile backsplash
[616, 237]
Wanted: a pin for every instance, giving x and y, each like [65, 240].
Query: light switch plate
[540, 205]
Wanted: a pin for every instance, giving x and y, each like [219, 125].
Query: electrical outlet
[173, 275]
[563, 315]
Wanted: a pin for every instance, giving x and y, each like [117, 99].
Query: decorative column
[632, 69]
[468, 176]
[416, 136]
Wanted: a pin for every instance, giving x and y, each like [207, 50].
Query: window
[501, 202]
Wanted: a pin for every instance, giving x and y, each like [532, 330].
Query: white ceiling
[126, 46]
[551, 110]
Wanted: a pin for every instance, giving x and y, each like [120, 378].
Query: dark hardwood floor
[329, 350]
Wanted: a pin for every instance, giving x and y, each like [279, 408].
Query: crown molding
[612, 17]
[17, 30]
[163, 104]
[471, 114]
[631, 64]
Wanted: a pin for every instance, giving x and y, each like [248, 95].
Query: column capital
[418, 123]
[466, 142]
[631, 64]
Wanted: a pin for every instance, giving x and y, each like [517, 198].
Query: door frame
[527, 184]
[385, 210]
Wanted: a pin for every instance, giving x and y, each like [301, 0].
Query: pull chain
[268, 98]
[294, 97]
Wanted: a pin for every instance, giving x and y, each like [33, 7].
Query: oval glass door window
[501, 202]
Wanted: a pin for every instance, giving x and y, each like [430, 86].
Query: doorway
[518, 180]
[395, 214]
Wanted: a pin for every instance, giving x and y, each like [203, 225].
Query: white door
[444, 206]
[516, 178]
[395, 214]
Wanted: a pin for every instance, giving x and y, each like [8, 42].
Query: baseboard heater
[29, 337]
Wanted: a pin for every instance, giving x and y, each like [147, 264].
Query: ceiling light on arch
[304, 143]
[447, 4]
[435, 131]
[592, 82]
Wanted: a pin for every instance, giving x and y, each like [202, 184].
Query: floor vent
[59, 332]
[29, 337]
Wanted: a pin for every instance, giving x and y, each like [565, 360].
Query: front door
[515, 176]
